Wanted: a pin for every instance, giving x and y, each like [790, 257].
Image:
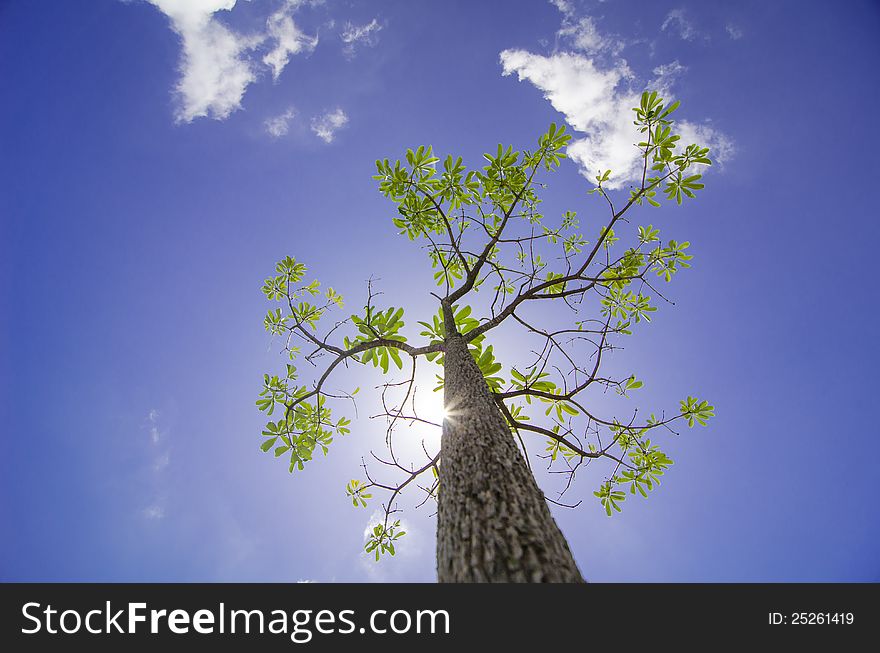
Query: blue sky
[158, 159]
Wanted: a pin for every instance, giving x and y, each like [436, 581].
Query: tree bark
[493, 523]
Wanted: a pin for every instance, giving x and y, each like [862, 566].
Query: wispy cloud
[722, 148]
[565, 6]
[161, 462]
[411, 549]
[289, 39]
[216, 67]
[677, 22]
[356, 35]
[596, 98]
[278, 126]
[154, 512]
[153, 420]
[666, 75]
[733, 31]
[153, 425]
[326, 125]
[581, 33]
[160, 456]
[569, 7]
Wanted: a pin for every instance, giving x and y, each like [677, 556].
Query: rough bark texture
[493, 524]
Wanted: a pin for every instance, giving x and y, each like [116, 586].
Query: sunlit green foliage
[493, 252]
[381, 538]
[357, 491]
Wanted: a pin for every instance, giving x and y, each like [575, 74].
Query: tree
[484, 233]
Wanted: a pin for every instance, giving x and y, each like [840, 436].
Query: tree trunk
[493, 524]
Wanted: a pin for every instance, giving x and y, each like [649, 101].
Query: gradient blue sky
[135, 233]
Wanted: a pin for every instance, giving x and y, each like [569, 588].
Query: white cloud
[161, 458]
[279, 125]
[154, 512]
[288, 37]
[215, 65]
[153, 419]
[583, 35]
[565, 6]
[676, 21]
[666, 75]
[355, 35]
[161, 462]
[596, 100]
[721, 147]
[327, 125]
[733, 31]
[213, 72]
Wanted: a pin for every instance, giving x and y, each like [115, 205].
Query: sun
[429, 406]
